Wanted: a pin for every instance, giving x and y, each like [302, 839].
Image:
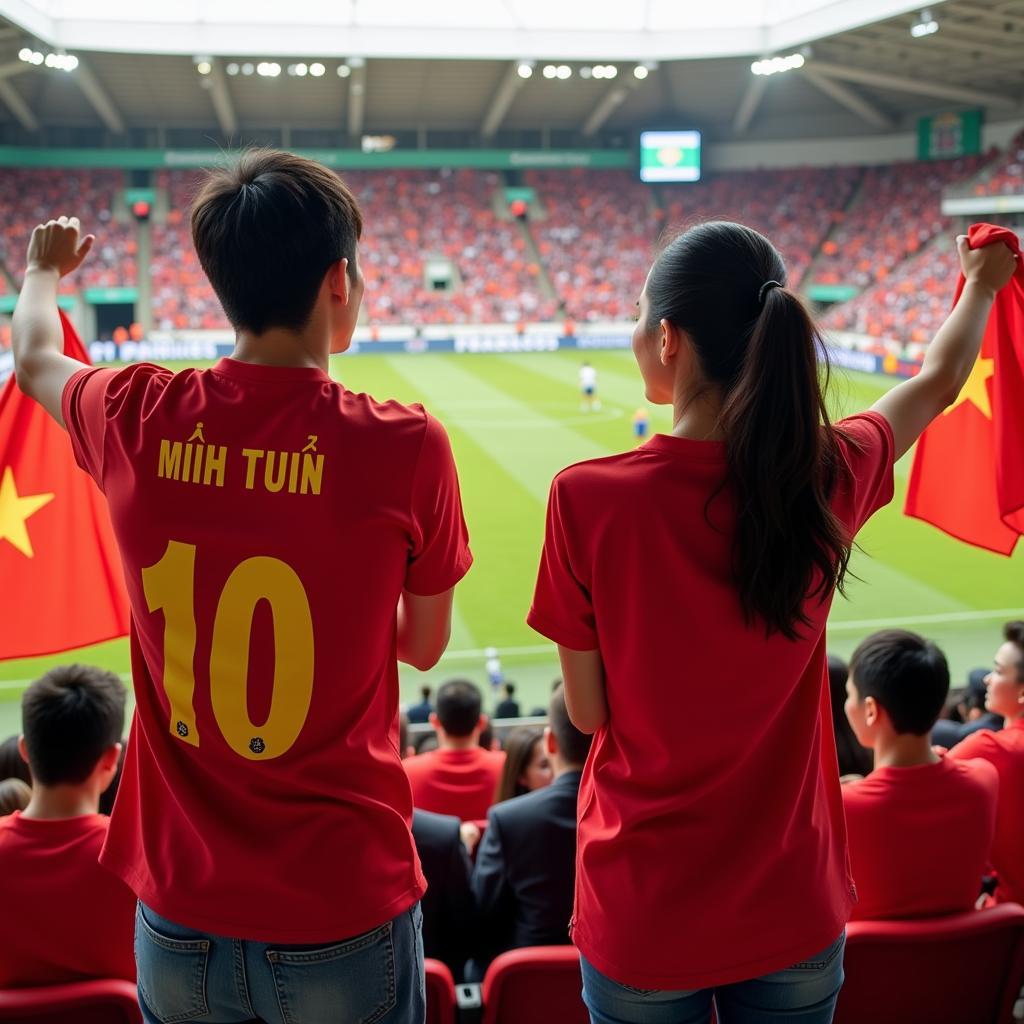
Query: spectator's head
[425, 692]
[854, 759]
[72, 719]
[109, 795]
[1005, 683]
[457, 716]
[526, 763]
[12, 764]
[568, 748]
[897, 686]
[14, 796]
[717, 323]
[276, 234]
[510, 690]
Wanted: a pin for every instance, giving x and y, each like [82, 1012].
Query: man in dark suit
[449, 912]
[509, 706]
[420, 713]
[526, 865]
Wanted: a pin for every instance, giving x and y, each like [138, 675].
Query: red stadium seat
[105, 1001]
[540, 984]
[440, 993]
[963, 969]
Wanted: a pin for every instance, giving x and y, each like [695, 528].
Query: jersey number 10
[169, 586]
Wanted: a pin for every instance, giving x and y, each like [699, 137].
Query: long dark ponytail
[724, 284]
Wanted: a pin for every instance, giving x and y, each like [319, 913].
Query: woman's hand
[55, 246]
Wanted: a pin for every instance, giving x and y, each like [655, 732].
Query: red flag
[61, 584]
[968, 472]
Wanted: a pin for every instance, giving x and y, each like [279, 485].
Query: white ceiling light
[344, 71]
[232, 69]
[640, 72]
[247, 69]
[563, 72]
[588, 72]
[777, 65]
[316, 69]
[204, 67]
[525, 69]
[268, 69]
[926, 25]
[610, 71]
[549, 71]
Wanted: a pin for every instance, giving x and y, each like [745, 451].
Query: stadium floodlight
[268, 69]
[25, 54]
[204, 67]
[316, 69]
[232, 69]
[777, 65]
[640, 72]
[344, 71]
[563, 71]
[247, 69]
[588, 72]
[525, 69]
[297, 70]
[356, 62]
[605, 71]
[549, 71]
[926, 25]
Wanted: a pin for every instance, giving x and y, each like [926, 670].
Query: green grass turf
[514, 421]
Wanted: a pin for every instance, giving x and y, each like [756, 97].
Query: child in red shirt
[66, 917]
[1004, 696]
[709, 859]
[284, 541]
[920, 825]
[460, 777]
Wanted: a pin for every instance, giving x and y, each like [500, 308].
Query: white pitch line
[841, 627]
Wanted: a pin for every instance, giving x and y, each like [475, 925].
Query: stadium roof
[161, 74]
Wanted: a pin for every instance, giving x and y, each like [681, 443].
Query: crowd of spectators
[897, 212]
[932, 830]
[1005, 176]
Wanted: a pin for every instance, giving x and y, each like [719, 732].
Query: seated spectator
[527, 766]
[420, 713]
[854, 760]
[525, 870]
[74, 918]
[508, 707]
[12, 764]
[460, 777]
[921, 824]
[14, 796]
[971, 712]
[1005, 750]
[448, 909]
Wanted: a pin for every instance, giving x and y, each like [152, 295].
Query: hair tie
[765, 289]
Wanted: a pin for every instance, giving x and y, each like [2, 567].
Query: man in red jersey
[66, 917]
[1005, 750]
[283, 540]
[460, 777]
[920, 825]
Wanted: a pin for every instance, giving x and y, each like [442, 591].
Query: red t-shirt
[1005, 750]
[920, 837]
[459, 782]
[268, 520]
[65, 917]
[712, 846]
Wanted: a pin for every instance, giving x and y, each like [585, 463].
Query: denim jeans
[185, 975]
[805, 992]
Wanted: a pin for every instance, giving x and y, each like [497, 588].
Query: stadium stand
[1005, 177]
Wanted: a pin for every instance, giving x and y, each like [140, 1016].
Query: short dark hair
[906, 674]
[853, 758]
[510, 689]
[459, 704]
[70, 716]
[425, 692]
[1013, 632]
[266, 228]
[573, 745]
[12, 766]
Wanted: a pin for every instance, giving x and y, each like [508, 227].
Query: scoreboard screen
[670, 156]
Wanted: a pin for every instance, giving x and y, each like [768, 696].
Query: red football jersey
[1005, 750]
[920, 837]
[268, 521]
[66, 918]
[712, 846]
[458, 782]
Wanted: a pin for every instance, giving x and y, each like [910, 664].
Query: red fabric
[262, 809]
[718, 855]
[920, 837]
[1005, 750]
[459, 782]
[62, 581]
[67, 918]
[968, 474]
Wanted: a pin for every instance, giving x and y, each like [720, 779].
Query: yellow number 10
[170, 586]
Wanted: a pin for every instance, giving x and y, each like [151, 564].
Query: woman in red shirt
[712, 849]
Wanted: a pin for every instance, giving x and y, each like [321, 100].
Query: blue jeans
[185, 975]
[805, 992]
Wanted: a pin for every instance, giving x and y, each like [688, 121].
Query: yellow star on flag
[975, 390]
[14, 513]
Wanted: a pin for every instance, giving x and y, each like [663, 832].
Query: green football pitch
[515, 420]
